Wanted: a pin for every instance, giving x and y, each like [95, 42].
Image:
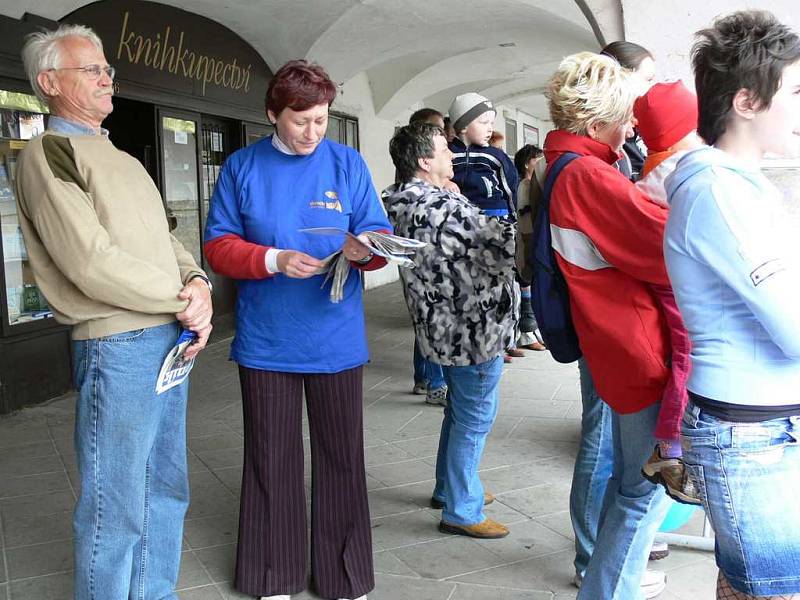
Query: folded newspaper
[175, 368]
[391, 247]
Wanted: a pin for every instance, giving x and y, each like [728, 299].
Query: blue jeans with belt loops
[748, 477]
[468, 419]
[593, 466]
[131, 452]
[633, 509]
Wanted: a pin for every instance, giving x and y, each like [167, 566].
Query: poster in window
[530, 135]
[30, 125]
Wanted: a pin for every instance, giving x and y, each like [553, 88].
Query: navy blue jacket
[485, 175]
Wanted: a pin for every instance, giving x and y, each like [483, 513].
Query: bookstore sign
[158, 47]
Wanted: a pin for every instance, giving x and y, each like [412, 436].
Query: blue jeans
[425, 370]
[593, 466]
[633, 510]
[468, 418]
[131, 452]
[748, 475]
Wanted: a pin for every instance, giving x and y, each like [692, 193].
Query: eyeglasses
[93, 71]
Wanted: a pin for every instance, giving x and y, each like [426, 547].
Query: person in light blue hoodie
[732, 261]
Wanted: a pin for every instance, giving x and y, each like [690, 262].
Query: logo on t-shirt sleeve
[766, 270]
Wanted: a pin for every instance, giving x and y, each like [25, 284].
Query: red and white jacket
[608, 240]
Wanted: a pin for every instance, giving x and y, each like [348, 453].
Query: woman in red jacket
[607, 236]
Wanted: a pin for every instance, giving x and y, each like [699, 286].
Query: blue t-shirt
[734, 265]
[265, 196]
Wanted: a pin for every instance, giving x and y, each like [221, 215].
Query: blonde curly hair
[589, 88]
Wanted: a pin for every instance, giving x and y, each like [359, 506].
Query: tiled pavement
[527, 464]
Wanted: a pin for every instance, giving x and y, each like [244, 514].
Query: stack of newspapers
[391, 247]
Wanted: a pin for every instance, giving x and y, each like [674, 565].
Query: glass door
[256, 131]
[216, 145]
[179, 155]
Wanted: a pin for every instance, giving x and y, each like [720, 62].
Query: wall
[355, 99]
[667, 28]
[522, 118]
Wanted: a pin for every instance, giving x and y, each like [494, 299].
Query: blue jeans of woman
[426, 370]
[633, 510]
[468, 419]
[748, 476]
[131, 452]
[593, 466]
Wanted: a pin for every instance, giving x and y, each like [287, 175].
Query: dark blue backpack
[549, 293]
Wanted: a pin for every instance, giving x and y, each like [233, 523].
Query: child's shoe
[671, 473]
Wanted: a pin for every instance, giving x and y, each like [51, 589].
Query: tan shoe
[672, 474]
[537, 346]
[440, 504]
[488, 529]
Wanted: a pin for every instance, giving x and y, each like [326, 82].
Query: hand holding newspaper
[175, 369]
[391, 247]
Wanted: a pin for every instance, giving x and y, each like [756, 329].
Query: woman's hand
[298, 265]
[355, 250]
[451, 186]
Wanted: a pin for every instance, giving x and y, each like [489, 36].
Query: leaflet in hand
[389, 246]
[337, 266]
[176, 368]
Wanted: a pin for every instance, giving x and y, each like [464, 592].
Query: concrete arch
[405, 48]
[509, 69]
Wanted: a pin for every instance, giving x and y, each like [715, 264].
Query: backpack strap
[554, 171]
[549, 180]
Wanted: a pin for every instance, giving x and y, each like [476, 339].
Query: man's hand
[200, 343]
[298, 265]
[197, 316]
[355, 250]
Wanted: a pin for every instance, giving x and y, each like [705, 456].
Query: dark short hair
[523, 155]
[409, 144]
[744, 50]
[423, 114]
[627, 54]
[299, 85]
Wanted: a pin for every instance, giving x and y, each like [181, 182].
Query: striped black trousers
[272, 553]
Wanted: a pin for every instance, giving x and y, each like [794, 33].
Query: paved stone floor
[527, 464]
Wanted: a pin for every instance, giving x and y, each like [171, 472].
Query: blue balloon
[677, 516]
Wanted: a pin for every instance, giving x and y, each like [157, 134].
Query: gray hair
[42, 51]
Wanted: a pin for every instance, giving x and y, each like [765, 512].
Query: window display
[24, 301]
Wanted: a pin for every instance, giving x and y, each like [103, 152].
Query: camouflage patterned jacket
[460, 293]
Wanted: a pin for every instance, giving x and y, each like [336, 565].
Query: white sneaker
[278, 597]
[653, 582]
[364, 597]
[577, 580]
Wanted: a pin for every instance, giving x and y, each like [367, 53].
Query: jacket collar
[559, 141]
[458, 145]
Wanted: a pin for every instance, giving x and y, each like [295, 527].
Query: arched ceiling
[413, 49]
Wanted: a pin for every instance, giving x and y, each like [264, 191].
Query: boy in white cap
[484, 174]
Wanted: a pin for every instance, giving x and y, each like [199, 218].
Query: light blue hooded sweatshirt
[732, 260]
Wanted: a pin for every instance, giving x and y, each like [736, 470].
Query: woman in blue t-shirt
[291, 338]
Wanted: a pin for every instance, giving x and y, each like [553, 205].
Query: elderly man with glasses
[102, 254]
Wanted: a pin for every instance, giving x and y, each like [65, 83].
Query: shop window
[22, 116]
[343, 129]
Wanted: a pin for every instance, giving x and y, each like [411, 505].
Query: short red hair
[299, 85]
